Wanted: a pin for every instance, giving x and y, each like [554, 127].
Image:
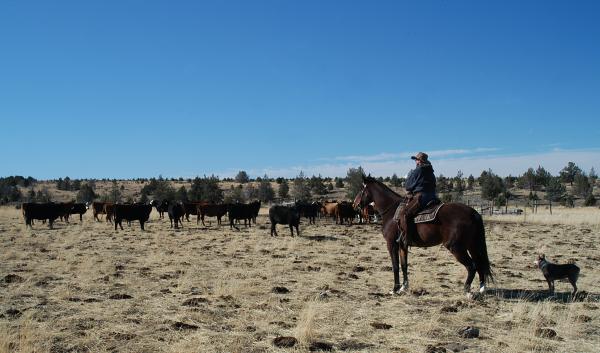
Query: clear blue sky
[183, 88]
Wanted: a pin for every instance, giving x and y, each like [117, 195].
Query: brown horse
[457, 226]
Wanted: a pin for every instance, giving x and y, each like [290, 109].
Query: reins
[382, 213]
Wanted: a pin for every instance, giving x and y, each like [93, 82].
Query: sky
[127, 89]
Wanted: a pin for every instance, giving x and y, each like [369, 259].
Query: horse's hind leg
[463, 257]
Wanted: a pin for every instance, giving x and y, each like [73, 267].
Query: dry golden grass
[83, 287]
[560, 215]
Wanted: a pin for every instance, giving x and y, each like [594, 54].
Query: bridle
[381, 213]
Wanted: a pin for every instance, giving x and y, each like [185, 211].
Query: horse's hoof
[470, 296]
[482, 289]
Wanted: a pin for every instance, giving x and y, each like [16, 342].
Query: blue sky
[125, 89]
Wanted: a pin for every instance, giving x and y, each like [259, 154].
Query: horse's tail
[480, 254]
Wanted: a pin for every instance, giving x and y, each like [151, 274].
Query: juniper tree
[284, 189]
[300, 189]
[242, 177]
[354, 178]
[568, 173]
[265, 190]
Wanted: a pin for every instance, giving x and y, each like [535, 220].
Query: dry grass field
[83, 287]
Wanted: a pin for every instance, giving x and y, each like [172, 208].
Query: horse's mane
[370, 179]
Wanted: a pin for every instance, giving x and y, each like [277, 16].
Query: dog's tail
[479, 252]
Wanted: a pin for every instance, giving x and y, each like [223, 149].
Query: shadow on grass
[320, 237]
[543, 295]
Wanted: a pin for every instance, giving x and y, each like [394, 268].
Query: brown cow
[109, 211]
[97, 208]
[329, 209]
[366, 213]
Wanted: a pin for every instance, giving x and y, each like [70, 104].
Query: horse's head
[364, 197]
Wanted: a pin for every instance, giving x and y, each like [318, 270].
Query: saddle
[427, 214]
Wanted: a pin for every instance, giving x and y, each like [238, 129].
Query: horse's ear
[364, 178]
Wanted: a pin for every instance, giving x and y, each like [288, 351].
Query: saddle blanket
[426, 215]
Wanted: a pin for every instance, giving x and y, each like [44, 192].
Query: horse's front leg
[393, 250]
[404, 264]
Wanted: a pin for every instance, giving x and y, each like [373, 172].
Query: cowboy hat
[421, 156]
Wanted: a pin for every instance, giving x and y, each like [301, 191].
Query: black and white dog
[553, 272]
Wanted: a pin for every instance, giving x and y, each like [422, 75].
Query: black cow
[255, 205]
[211, 210]
[284, 215]
[176, 212]
[191, 208]
[345, 211]
[161, 207]
[309, 210]
[79, 208]
[66, 210]
[239, 211]
[131, 213]
[97, 208]
[44, 211]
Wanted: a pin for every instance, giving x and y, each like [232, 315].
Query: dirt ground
[84, 287]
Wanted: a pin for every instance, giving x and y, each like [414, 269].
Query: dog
[553, 272]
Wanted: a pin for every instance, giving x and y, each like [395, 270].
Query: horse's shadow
[543, 295]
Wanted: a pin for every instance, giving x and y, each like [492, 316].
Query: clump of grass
[305, 331]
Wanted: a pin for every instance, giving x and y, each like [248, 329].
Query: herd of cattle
[236, 212]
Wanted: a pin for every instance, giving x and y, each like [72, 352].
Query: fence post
[550, 204]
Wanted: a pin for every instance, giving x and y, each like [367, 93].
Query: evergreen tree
[265, 190]
[115, 194]
[491, 185]
[354, 178]
[242, 177]
[181, 194]
[284, 189]
[568, 173]
[395, 181]
[528, 180]
[470, 182]
[592, 176]
[590, 200]
[581, 185]
[459, 183]
[316, 185]
[339, 183]
[555, 190]
[236, 194]
[86, 193]
[542, 176]
[206, 189]
[300, 189]
[250, 192]
[76, 185]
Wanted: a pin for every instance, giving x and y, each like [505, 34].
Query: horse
[457, 226]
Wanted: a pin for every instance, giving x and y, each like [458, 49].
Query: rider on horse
[420, 188]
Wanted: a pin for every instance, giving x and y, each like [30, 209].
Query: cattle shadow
[543, 295]
[320, 237]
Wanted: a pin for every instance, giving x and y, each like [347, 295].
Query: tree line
[491, 187]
